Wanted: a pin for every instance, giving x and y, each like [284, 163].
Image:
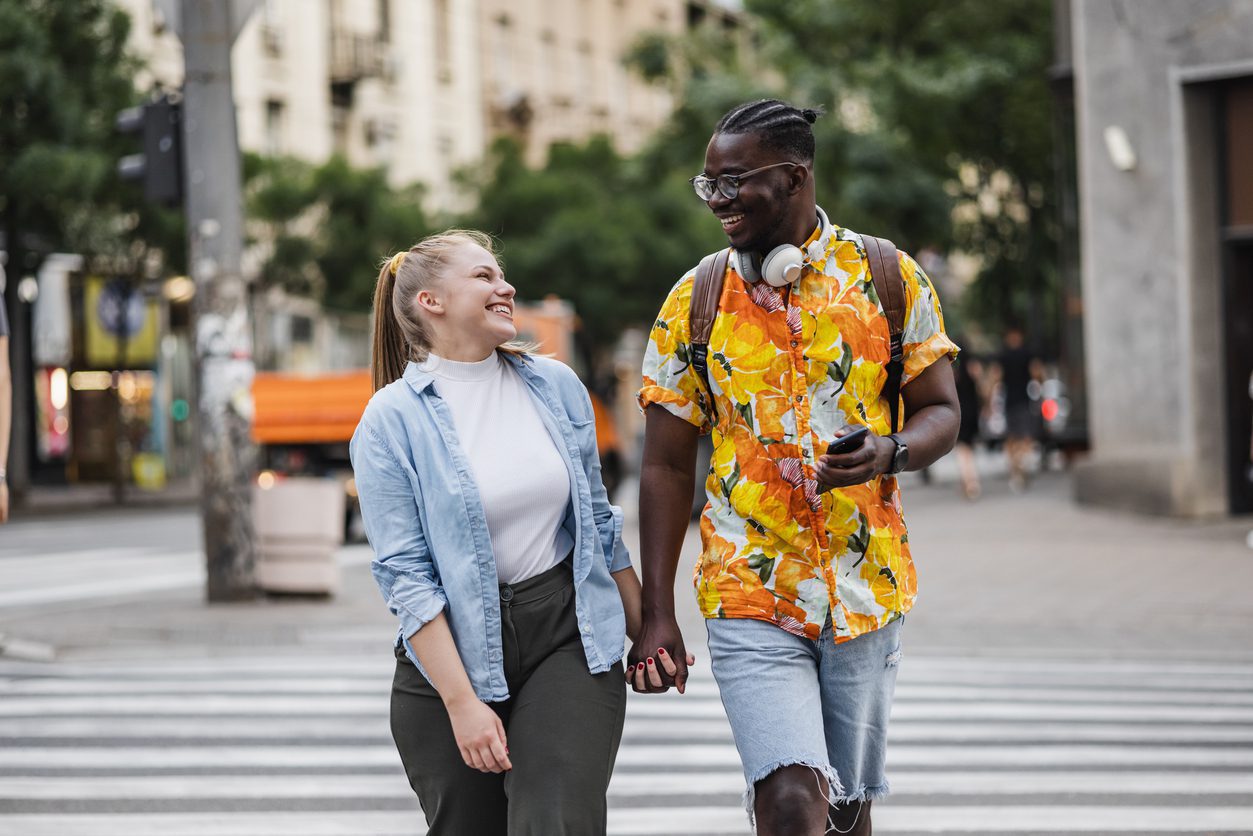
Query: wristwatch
[900, 457]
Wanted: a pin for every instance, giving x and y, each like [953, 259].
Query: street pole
[223, 328]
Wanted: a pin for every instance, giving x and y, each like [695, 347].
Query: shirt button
[587, 629]
[795, 343]
[799, 398]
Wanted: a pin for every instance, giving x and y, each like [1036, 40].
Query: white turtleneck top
[521, 477]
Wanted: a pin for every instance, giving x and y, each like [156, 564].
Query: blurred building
[422, 86]
[419, 87]
[1163, 103]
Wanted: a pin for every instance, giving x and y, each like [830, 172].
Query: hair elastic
[394, 264]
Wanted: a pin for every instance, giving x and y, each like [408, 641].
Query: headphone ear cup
[783, 265]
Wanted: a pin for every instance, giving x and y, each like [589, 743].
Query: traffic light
[159, 167]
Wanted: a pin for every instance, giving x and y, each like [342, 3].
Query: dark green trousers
[563, 725]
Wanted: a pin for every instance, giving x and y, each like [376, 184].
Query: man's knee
[791, 800]
[852, 818]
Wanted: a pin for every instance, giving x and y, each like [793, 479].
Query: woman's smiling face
[470, 306]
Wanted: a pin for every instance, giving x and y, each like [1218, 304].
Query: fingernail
[640, 666]
[661, 651]
[650, 661]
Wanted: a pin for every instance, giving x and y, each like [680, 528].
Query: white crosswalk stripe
[287, 743]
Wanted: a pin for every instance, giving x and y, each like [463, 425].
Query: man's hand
[856, 467]
[659, 659]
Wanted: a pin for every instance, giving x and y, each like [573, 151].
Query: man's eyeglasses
[728, 185]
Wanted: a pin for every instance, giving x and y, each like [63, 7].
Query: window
[274, 113]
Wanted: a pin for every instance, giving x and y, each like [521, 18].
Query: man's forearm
[930, 433]
[665, 502]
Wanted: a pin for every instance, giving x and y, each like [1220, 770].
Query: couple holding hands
[497, 548]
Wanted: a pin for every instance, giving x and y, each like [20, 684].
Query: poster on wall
[120, 324]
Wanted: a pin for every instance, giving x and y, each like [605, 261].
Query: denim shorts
[796, 701]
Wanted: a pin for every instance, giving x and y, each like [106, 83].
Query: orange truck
[302, 423]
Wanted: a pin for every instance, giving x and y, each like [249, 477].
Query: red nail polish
[640, 666]
[661, 651]
[650, 662]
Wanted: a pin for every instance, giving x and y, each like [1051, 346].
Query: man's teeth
[732, 219]
[499, 309]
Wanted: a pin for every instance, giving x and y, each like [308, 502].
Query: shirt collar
[419, 378]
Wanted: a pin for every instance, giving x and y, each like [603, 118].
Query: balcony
[355, 56]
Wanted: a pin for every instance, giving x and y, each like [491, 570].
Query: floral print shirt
[788, 367]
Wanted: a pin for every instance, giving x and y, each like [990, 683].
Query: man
[805, 572]
[6, 405]
[1018, 368]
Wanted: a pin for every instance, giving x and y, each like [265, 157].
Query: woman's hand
[647, 676]
[629, 590]
[480, 735]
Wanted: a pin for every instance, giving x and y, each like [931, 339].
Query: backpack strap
[706, 293]
[885, 272]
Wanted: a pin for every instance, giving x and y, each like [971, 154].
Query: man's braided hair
[779, 125]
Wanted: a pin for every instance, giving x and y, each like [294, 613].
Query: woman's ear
[428, 302]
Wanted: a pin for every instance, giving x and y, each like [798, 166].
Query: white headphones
[785, 263]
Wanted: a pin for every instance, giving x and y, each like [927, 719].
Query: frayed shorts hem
[864, 794]
[834, 787]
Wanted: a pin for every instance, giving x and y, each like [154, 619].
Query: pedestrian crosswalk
[38, 578]
[283, 741]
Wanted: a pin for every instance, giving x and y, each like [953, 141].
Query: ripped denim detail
[835, 789]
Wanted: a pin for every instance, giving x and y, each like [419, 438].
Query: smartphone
[847, 443]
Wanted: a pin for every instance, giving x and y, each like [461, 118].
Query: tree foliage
[608, 233]
[938, 129]
[64, 75]
[948, 119]
[324, 228]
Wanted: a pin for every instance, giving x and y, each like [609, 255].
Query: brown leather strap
[885, 272]
[706, 293]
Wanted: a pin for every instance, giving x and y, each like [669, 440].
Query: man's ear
[798, 178]
[428, 302]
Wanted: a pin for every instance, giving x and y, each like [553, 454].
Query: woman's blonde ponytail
[390, 351]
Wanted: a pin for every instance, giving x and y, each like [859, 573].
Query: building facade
[1163, 96]
[421, 87]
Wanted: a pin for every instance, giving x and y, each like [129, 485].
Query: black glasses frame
[728, 185]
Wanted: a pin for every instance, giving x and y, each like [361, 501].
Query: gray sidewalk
[1029, 573]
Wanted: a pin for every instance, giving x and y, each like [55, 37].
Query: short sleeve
[669, 378]
[924, 339]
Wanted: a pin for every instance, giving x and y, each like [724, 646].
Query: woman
[498, 550]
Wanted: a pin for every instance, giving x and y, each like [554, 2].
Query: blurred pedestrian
[1018, 368]
[967, 373]
[805, 572]
[495, 545]
[6, 409]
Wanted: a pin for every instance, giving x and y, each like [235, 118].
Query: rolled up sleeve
[402, 565]
[669, 379]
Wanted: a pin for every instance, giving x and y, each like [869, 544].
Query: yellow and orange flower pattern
[789, 367]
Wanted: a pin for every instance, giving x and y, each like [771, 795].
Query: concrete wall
[1149, 240]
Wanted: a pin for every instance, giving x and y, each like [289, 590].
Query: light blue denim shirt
[424, 518]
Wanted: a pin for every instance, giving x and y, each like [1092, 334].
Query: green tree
[326, 227]
[606, 232]
[938, 130]
[64, 75]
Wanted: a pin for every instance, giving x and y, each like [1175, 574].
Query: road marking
[625, 785]
[645, 821]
